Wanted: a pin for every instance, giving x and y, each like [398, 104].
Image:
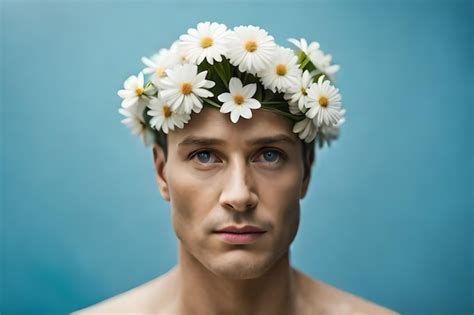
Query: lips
[240, 235]
[241, 230]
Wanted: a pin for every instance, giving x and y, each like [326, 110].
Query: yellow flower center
[139, 91]
[160, 71]
[303, 91]
[166, 111]
[206, 42]
[323, 101]
[238, 99]
[251, 45]
[281, 69]
[186, 88]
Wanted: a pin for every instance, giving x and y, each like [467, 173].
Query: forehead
[210, 123]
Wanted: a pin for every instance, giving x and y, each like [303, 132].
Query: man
[234, 191]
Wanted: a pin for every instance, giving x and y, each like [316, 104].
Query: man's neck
[203, 292]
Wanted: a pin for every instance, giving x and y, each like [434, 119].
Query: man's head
[217, 174]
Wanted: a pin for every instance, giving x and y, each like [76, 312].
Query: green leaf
[305, 62]
[279, 112]
[268, 95]
[227, 68]
[301, 56]
[258, 93]
[204, 65]
[273, 103]
[212, 103]
[221, 74]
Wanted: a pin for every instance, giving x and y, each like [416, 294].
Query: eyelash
[281, 155]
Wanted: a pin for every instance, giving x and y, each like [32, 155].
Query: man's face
[221, 174]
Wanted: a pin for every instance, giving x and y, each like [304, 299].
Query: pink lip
[243, 229]
[240, 235]
[239, 238]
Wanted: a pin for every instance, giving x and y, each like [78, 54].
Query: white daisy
[135, 121]
[324, 103]
[306, 129]
[303, 45]
[177, 55]
[322, 61]
[163, 117]
[332, 132]
[250, 48]
[133, 92]
[298, 94]
[207, 41]
[157, 64]
[163, 60]
[239, 101]
[295, 110]
[283, 71]
[183, 88]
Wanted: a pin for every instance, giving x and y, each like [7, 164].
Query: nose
[238, 192]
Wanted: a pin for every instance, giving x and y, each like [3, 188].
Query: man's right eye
[204, 157]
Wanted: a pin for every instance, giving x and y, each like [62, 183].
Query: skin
[235, 179]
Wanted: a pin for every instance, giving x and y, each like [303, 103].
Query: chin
[238, 266]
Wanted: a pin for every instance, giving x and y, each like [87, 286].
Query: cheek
[282, 204]
[191, 200]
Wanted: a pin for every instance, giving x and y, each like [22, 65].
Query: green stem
[279, 112]
[226, 66]
[273, 103]
[305, 62]
[301, 56]
[246, 74]
[212, 103]
[221, 75]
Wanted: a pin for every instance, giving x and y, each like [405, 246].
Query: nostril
[244, 204]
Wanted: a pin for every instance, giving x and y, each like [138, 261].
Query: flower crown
[236, 71]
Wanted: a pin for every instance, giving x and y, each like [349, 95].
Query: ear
[160, 168]
[307, 175]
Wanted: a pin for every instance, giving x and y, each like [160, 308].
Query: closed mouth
[247, 229]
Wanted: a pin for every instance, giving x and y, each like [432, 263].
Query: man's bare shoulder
[147, 298]
[322, 298]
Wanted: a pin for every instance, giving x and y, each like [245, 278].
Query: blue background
[389, 212]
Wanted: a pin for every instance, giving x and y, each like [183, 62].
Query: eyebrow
[204, 141]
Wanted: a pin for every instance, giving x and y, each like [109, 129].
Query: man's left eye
[271, 155]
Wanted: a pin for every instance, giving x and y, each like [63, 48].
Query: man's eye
[204, 157]
[271, 155]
